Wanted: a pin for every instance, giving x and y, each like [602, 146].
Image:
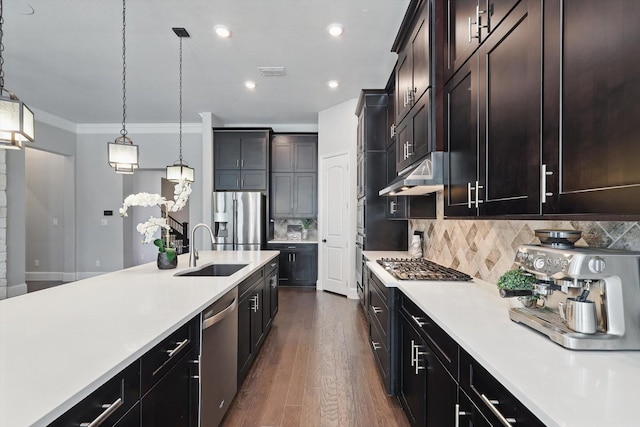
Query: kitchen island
[60, 344]
[561, 387]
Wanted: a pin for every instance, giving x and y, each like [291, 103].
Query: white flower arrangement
[149, 228]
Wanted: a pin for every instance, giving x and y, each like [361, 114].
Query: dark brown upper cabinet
[591, 109]
[492, 122]
[469, 23]
[413, 67]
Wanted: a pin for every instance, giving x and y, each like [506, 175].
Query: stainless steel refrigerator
[239, 220]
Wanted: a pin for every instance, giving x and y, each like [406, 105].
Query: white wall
[100, 188]
[59, 139]
[45, 226]
[337, 133]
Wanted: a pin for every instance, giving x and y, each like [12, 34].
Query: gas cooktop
[421, 269]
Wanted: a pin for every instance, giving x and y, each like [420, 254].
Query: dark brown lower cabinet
[173, 400]
[468, 414]
[427, 390]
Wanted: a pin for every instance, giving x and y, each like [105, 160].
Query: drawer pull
[375, 345]
[419, 321]
[459, 414]
[274, 264]
[109, 408]
[179, 347]
[376, 310]
[491, 403]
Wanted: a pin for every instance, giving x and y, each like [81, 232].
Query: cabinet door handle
[180, 346]
[459, 414]
[393, 130]
[255, 301]
[491, 403]
[410, 92]
[479, 21]
[294, 257]
[544, 173]
[376, 310]
[413, 353]
[469, 189]
[242, 183]
[478, 188]
[393, 207]
[471, 23]
[109, 408]
[242, 163]
[237, 163]
[237, 183]
[375, 345]
[419, 320]
[418, 354]
[409, 149]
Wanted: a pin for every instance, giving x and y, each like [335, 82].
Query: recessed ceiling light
[222, 31]
[333, 84]
[335, 30]
[249, 84]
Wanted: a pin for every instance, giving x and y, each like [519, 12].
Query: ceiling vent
[272, 71]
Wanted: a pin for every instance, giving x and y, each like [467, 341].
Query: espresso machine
[587, 298]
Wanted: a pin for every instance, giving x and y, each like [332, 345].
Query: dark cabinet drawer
[110, 402]
[173, 401]
[494, 401]
[380, 350]
[378, 311]
[159, 360]
[444, 347]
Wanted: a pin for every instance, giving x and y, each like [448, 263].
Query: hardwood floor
[315, 369]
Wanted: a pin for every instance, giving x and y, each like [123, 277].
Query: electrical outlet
[36, 263]
[55, 221]
[104, 221]
[97, 263]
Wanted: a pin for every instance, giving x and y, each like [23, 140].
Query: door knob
[324, 240]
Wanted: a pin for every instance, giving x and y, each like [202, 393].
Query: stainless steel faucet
[193, 254]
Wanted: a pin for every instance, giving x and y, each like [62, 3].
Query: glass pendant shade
[17, 123]
[180, 171]
[123, 155]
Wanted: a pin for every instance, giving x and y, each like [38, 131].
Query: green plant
[306, 223]
[171, 252]
[516, 279]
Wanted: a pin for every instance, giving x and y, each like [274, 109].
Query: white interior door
[334, 224]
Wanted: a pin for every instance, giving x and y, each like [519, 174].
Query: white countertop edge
[547, 378]
[32, 415]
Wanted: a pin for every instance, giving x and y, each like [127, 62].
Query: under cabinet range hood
[423, 178]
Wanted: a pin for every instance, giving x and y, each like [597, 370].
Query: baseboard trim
[15, 290]
[44, 276]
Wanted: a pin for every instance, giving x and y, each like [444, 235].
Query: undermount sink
[213, 270]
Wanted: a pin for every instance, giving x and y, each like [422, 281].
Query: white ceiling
[65, 58]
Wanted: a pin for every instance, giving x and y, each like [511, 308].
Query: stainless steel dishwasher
[218, 359]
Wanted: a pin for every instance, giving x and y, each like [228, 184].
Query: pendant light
[122, 153]
[17, 123]
[180, 170]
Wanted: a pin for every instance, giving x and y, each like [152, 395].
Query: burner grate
[421, 269]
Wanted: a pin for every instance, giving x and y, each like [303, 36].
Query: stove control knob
[596, 265]
[538, 263]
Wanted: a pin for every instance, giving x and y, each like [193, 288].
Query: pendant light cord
[180, 115]
[123, 132]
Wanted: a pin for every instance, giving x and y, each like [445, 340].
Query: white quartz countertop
[561, 387]
[60, 344]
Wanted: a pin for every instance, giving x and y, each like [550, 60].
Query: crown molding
[55, 121]
[138, 128]
[282, 127]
